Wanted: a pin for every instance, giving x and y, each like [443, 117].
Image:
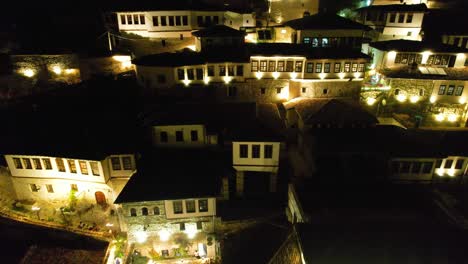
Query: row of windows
[449, 162]
[355, 67]
[50, 188]
[255, 150]
[411, 167]
[137, 19]
[329, 42]
[204, 21]
[170, 20]
[198, 73]
[420, 91]
[45, 163]
[451, 90]
[401, 17]
[121, 163]
[276, 66]
[190, 206]
[145, 211]
[163, 136]
[410, 58]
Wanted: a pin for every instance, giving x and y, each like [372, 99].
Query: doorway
[100, 198]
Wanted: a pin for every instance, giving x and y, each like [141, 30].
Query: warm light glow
[121, 58]
[370, 101]
[110, 259]
[440, 117]
[452, 117]
[425, 56]
[440, 172]
[451, 172]
[284, 95]
[35, 208]
[341, 75]
[433, 99]
[259, 75]
[391, 56]
[227, 79]
[186, 82]
[357, 74]
[372, 72]
[192, 47]
[462, 100]
[164, 235]
[283, 31]
[57, 69]
[401, 97]
[70, 71]
[293, 75]
[206, 80]
[191, 230]
[322, 75]
[250, 39]
[414, 99]
[109, 224]
[275, 75]
[126, 64]
[141, 236]
[28, 72]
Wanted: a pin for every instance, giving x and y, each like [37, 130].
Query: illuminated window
[37, 164]
[437, 60]
[298, 67]
[310, 67]
[337, 67]
[127, 163]
[289, 66]
[263, 66]
[155, 21]
[190, 74]
[123, 21]
[427, 167]
[254, 66]
[268, 151]
[448, 164]
[450, 89]
[211, 71]
[199, 72]
[72, 166]
[243, 151]
[398, 58]
[306, 40]
[135, 19]
[133, 212]
[47, 164]
[34, 187]
[325, 42]
[203, 205]
[318, 67]
[163, 21]
[163, 136]
[459, 164]
[392, 18]
[361, 67]
[326, 67]
[179, 136]
[115, 161]
[230, 70]
[180, 74]
[185, 20]
[27, 163]
[18, 163]
[409, 18]
[142, 19]
[50, 188]
[194, 135]
[94, 168]
[255, 151]
[129, 19]
[444, 60]
[281, 66]
[315, 42]
[74, 187]
[60, 164]
[347, 66]
[171, 21]
[459, 91]
[240, 70]
[442, 89]
[354, 68]
[144, 211]
[404, 58]
[156, 210]
[271, 66]
[83, 167]
[178, 21]
[416, 167]
[190, 206]
[222, 70]
[232, 91]
[177, 207]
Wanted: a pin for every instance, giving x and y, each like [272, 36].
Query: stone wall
[326, 89]
[411, 87]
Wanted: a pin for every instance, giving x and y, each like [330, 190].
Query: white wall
[170, 209]
[186, 131]
[122, 172]
[255, 164]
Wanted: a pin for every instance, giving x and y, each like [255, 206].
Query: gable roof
[404, 45]
[396, 8]
[166, 174]
[219, 31]
[325, 21]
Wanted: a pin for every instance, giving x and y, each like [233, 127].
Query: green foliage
[180, 252]
[138, 259]
[72, 200]
[155, 255]
[120, 246]
[19, 208]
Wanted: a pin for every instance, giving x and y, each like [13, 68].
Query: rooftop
[402, 45]
[219, 31]
[160, 175]
[173, 5]
[405, 72]
[325, 21]
[397, 8]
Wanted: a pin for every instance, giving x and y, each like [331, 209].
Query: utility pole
[109, 40]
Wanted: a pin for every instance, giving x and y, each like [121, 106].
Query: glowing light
[452, 117]
[191, 231]
[121, 58]
[372, 72]
[440, 117]
[109, 224]
[322, 75]
[164, 235]
[201, 250]
[425, 56]
[126, 64]
[451, 172]
[293, 75]
[57, 69]
[192, 47]
[414, 99]
[283, 31]
[275, 75]
[250, 38]
[141, 236]
[391, 56]
[35, 208]
[227, 79]
[186, 82]
[259, 75]
[28, 72]
[357, 74]
[284, 94]
[370, 101]
[341, 75]
[433, 99]
[401, 97]
[70, 71]
[440, 172]
[206, 80]
[462, 100]
[111, 257]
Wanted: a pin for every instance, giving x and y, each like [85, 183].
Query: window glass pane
[190, 206]
[47, 164]
[448, 164]
[94, 168]
[115, 161]
[18, 163]
[37, 164]
[203, 205]
[256, 151]
[268, 151]
[177, 206]
[72, 166]
[127, 163]
[27, 163]
[60, 165]
[243, 151]
[83, 167]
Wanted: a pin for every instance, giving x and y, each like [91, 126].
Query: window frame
[318, 67]
[191, 203]
[203, 209]
[18, 163]
[127, 163]
[442, 89]
[459, 90]
[243, 151]
[268, 151]
[337, 69]
[174, 203]
[310, 67]
[114, 165]
[256, 151]
[179, 136]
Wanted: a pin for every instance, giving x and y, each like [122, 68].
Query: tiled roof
[405, 72]
[415, 46]
[325, 21]
[219, 31]
[287, 49]
[397, 8]
[172, 5]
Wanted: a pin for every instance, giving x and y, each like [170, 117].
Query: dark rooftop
[415, 46]
[325, 21]
[160, 175]
[288, 49]
[219, 31]
[397, 8]
[173, 5]
[405, 72]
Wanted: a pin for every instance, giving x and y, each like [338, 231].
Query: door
[100, 198]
